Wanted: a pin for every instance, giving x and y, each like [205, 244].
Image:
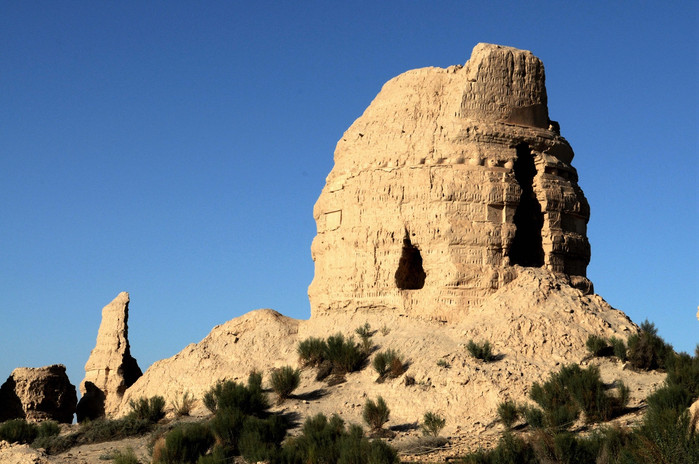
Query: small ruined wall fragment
[111, 369]
[38, 394]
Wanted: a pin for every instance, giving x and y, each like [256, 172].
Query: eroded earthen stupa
[110, 369]
[449, 180]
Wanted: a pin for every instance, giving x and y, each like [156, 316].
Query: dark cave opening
[410, 275]
[526, 248]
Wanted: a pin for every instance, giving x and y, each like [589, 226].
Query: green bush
[226, 426]
[345, 355]
[598, 346]
[533, 416]
[284, 381]
[255, 380]
[260, 439]
[618, 347]
[432, 424]
[149, 409]
[481, 351]
[183, 406]
[572, 390]
[318, 441]
[364, 331]
[102, 430]
[683, 370]
[646, 350]
[219, 454]
[376, 413]
[125, 457]
[96, 431]
[388, 364]
[249, 400]
[328, 441]
[443, 363]
[666, 434]
[184, 444]
[48, 428]
[510, 450]
[312, 351]
[508, 412]
[18, 431]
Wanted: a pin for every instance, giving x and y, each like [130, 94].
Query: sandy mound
[535, 323]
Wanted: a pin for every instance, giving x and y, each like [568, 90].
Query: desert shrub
[533, 416]
[443, 363]
[284, 381]
[375, 413]
[345, 355]
[328, 441]
[96, 431]
[183, 406]
[255, 380]
[364, 331]
[18, 431]
[508, 412]
[250, 399]
[388, 364]
[57, 443]
[149, 409]
[218, 455]
[432, 424]
[598, 346]
[379, 452]
[683, 370]
[591, 396]
[226, 427]
[318, 441]
[666, 433]
[102, 430]
[385, 330]
[482, 351]
[48, 428]
[646, 350]
[618, 347]
[421, 445]
[569, 448]
[312, 351]
[124, 457]
[324, 370]
[184, 444]
[667, 402]
[572, 390]
[260, 439]
[510, 450]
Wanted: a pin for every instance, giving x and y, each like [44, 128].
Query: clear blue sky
[175, 150]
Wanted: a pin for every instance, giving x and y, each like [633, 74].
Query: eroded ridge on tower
[450, 180]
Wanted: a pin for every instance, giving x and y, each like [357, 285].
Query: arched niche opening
[526, 248]
[410, 275]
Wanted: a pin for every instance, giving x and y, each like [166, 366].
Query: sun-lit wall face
[449, 180]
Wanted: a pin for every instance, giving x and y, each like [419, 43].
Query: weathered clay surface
[111, 369]
[449, 178]
[258, 340]
[21, 454]
[38, 394]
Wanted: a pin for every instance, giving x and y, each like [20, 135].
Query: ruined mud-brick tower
[449, 180]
